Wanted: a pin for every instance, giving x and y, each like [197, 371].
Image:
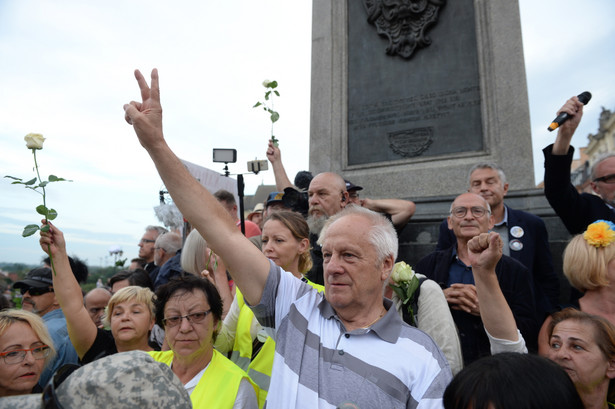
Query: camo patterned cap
[123, 380]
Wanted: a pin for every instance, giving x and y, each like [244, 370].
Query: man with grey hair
[346, 348]
[167, 256]
[146, 249]
[523, 234]
[470, 216]
[577, 210]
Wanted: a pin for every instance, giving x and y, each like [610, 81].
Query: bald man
[95, 302]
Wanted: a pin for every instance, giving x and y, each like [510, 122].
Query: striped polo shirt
[318, 364]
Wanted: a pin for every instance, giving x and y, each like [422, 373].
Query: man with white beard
[327, 196]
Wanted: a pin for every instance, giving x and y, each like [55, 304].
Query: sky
[66, 69]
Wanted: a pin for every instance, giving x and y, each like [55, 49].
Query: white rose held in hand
[268, 105]
[34, 140]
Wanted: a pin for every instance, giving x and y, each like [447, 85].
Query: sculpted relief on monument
[403, 22]
[411, 104]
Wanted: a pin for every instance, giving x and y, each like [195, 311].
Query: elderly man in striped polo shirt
[346, 349]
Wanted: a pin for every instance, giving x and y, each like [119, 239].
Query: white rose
[402, 272]
[266, 83]
[34, 140]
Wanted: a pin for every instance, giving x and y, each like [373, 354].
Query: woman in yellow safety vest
[285, 241]
[190, 309]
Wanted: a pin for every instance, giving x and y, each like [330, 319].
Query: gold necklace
[377, 318]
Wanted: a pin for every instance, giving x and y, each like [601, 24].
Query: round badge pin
[517, 232]
[515, 245]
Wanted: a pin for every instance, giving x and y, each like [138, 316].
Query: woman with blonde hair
[129, 313]
[25, 349]
[285, 241]
[589, 266]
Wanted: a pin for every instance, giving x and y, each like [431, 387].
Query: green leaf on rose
[412, 286]
[30, 182]
[14, 178]
[398, 290]
[277, 93]
[42, 209]
[54, 178]
[43, 184]
[273, 84]
[257, 105]
[274, 116]
[29, 230]
[52, 214]
[45, 228]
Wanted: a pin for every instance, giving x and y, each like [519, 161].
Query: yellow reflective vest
[217, 388]
[259, 368]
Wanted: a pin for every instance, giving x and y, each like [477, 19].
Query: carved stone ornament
[403, 22]
[411, 142]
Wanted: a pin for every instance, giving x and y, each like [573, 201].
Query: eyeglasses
[193, 318]
[477, 211]
[50, 397]
[18, 355]
[36, 290]
[147, 241]
[608, 179]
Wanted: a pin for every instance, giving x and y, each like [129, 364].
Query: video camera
[296, 200]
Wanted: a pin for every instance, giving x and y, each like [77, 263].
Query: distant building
[262, 191]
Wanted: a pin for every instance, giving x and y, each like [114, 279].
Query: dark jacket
[516, 285]
[577, 210]
[535, 255]
[172, 268]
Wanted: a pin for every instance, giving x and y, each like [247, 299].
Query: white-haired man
[346, 348]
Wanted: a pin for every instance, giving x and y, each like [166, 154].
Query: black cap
[274, 197]
[39, 278]
[350, 186]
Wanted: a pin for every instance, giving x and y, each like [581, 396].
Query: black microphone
[584, 98]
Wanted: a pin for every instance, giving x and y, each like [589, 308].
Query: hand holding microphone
[584, 98]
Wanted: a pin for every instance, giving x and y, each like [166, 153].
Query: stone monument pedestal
[413, 127]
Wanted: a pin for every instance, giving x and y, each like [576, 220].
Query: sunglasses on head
[36, 290]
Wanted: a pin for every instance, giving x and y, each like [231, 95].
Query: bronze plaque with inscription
[406, 108]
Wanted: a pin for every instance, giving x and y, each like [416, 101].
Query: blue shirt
[65, 352]
[459, 272]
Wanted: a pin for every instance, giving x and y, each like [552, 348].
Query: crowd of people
[298, 308]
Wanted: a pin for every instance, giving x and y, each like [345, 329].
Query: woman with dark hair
[124, 278]
[190, 310]
[584, 345]
[286, 242]
[511, 381]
